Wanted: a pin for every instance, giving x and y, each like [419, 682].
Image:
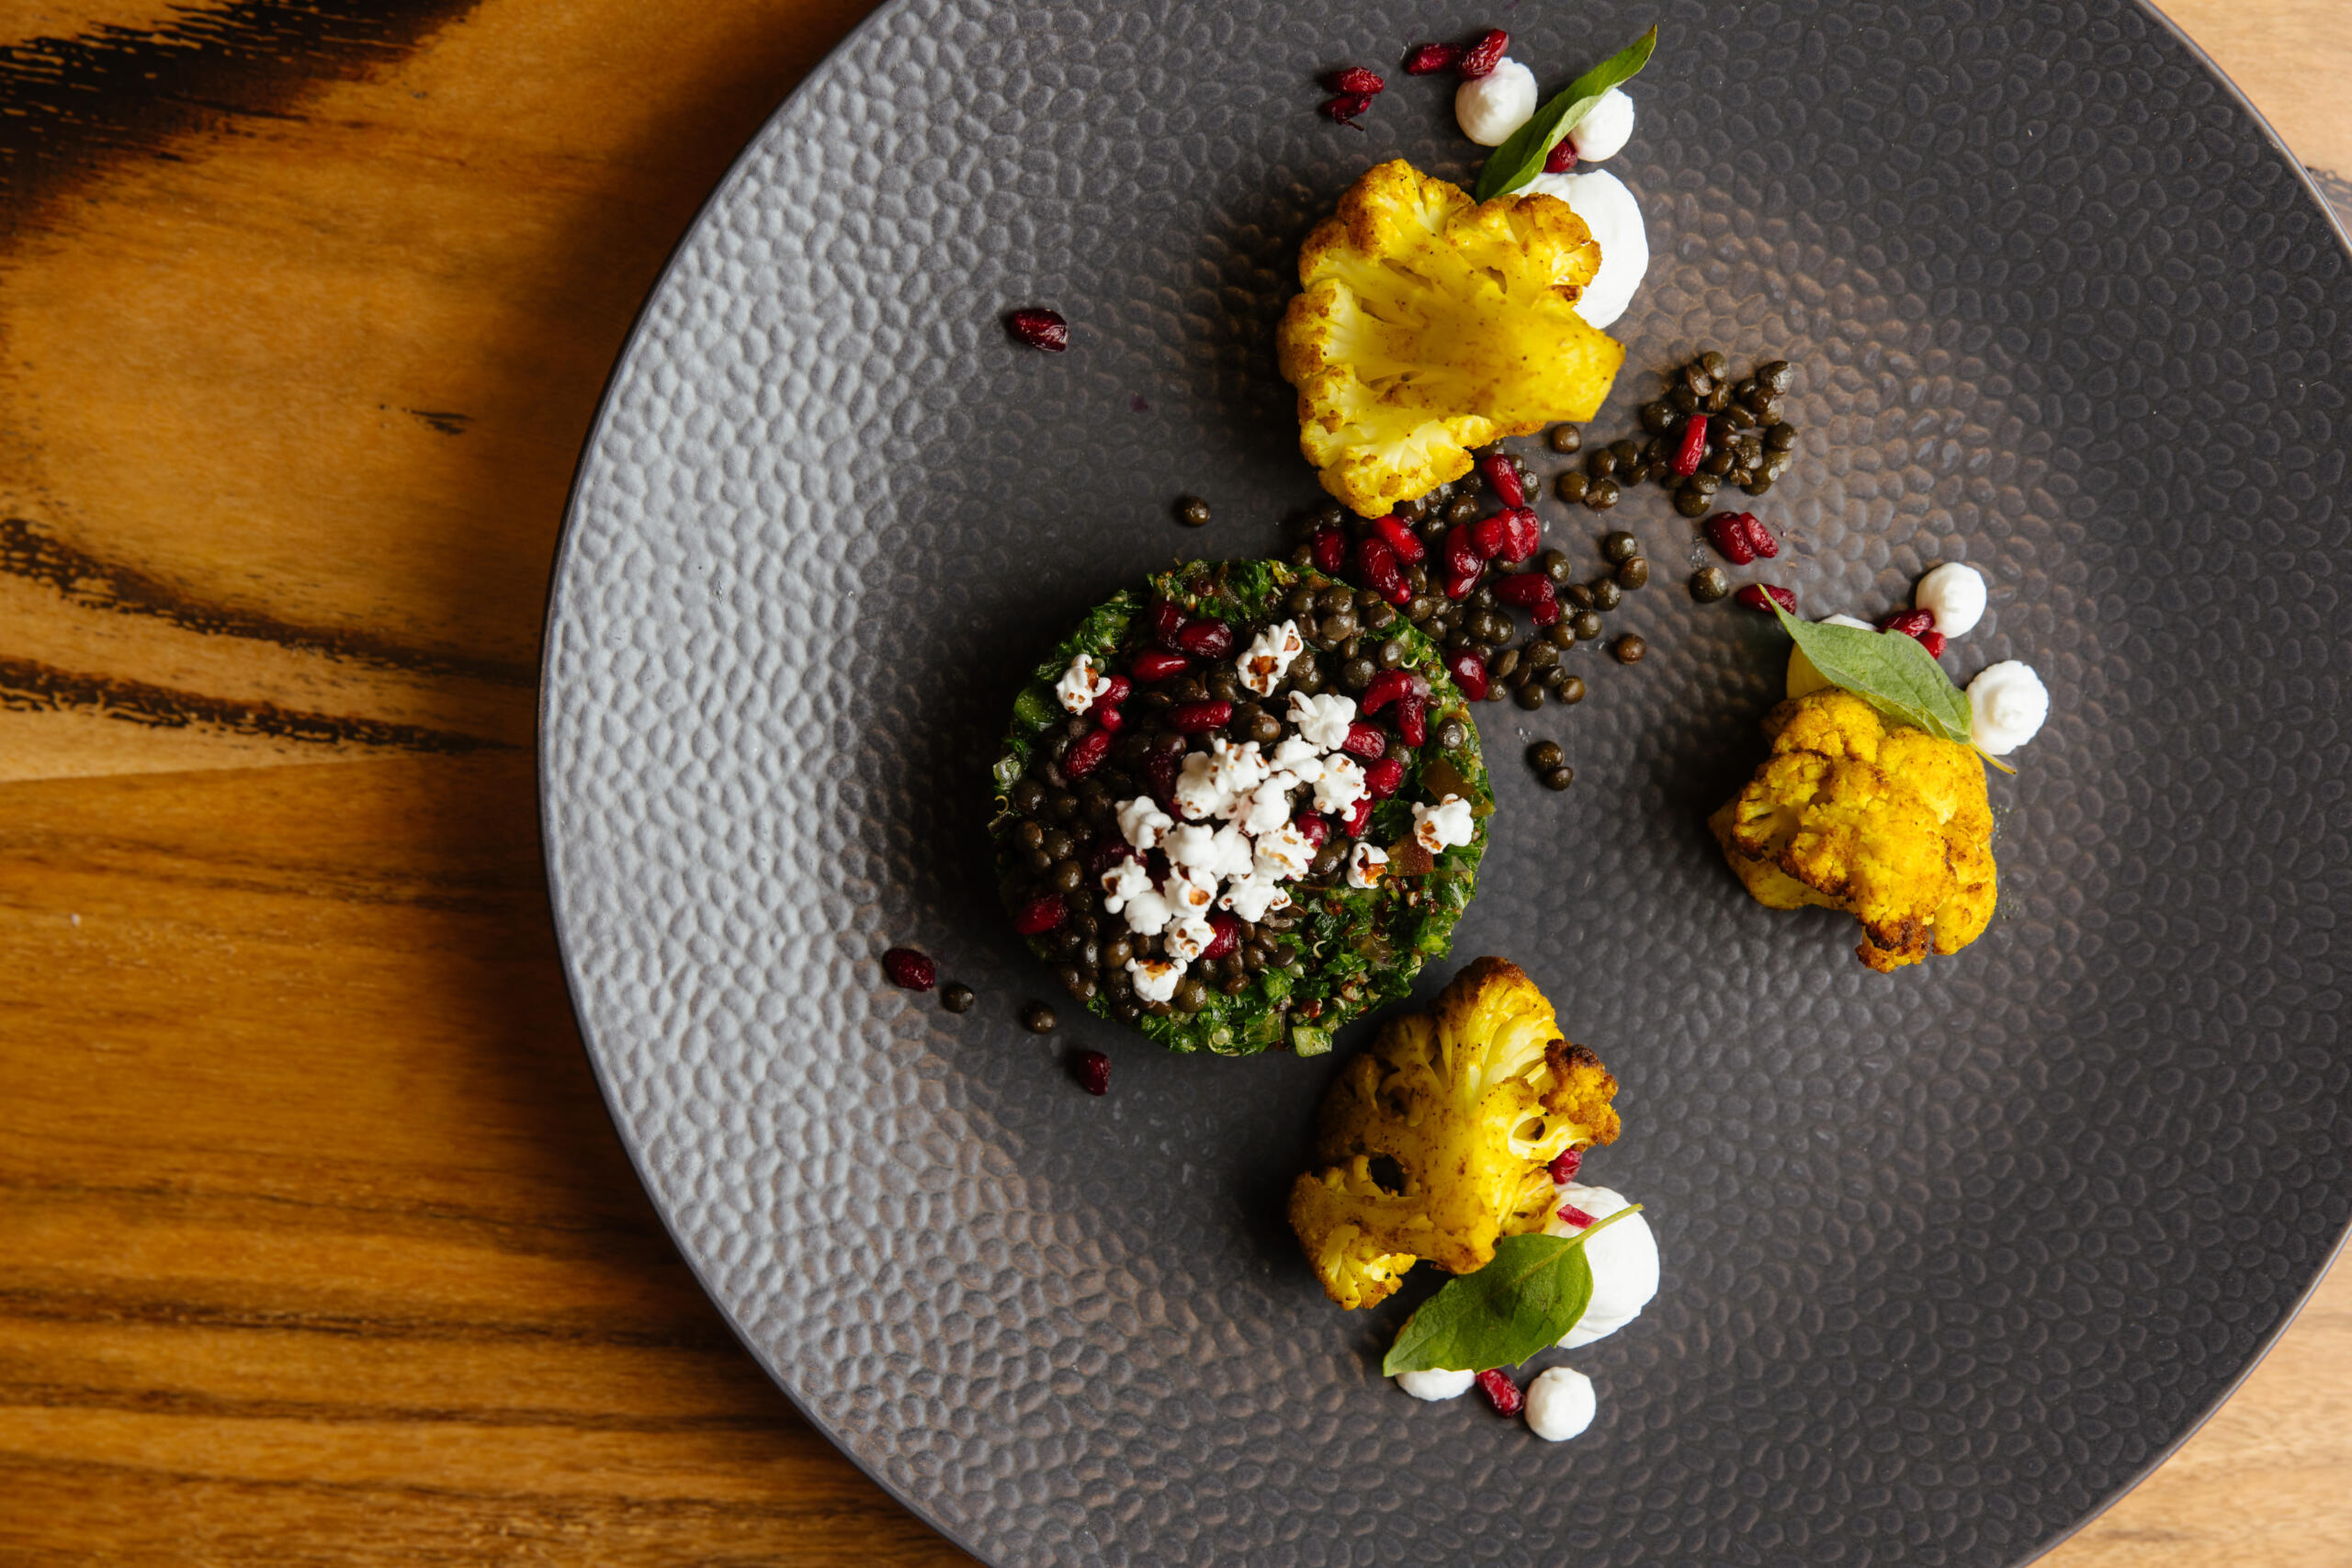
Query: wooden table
[316, 1246]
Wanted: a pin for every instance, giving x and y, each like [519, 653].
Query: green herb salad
[1239, 806]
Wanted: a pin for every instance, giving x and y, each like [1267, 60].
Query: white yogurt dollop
[1560, 1403]
[1954, 594]
[2006, 705]
[1492, 107]
[1605, 128]
[1610, 211]
[1436, 1385]
[1623, 1259]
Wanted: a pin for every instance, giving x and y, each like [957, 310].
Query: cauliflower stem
[1434, 1143]
[1431, 325]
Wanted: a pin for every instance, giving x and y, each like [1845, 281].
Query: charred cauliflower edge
[1465, 1105]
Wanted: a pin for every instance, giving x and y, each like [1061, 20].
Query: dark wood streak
[170, 1402]
[76, 103]
[180, 1312]
[445, 422]
[29, 687]
[31, 551]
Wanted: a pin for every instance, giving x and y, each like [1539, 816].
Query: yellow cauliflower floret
[1887, 822]
[1435, 1142]
[1432, 324]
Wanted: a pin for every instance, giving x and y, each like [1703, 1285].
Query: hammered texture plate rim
[553, 787]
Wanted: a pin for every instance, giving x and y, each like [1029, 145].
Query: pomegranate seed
[1384, 778]
[1121, 690]
[1548, 614]
[1094, 1071]
[1910, 623]
[1206, 639]
[1330, 550]
[1315, 827]
[1167, 620]
[1108, 851]
[1561, 158]
[1412, 720]
[1160, 771]
[1366, 741]
[1040, 329]
[1155, 664]
[1228, 938]
[1503, 479]
[1564, 1169]
[1087, 755]
[1522, 531]
[1481, 58]
[1491, 536]
[1728, 532]
[1355, 79]
[1500, 1392]
[1933, 641]
[1429, 57]
[1691, 447]
[1526, 590]
[1044, 913]
[1359, 816]
[1347, 107]
[1759, 536]
[1192, 718]
[1753, 597]
[1462, 562]
[1469, 672]
[1401, 538]
[1573, 1215]
[1376, 563]
[909, 970]
[1105, 711]
[1389, 685]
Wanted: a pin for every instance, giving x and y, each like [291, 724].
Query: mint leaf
[1532, 1293]
[1521, 159]
[1887, 669]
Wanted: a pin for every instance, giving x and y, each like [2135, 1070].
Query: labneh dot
[1040, 328]
[909, 969]
[1560, 1404]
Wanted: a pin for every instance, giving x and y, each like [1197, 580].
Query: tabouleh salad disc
[1240, 805]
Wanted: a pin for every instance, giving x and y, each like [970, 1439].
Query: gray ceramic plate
[1952, 1256]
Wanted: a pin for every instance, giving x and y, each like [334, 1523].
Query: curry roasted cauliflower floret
[1432, 324]
[1883, 821]
[1435, 1142]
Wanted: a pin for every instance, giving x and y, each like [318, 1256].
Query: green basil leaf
[1887, 669]
[1523, 1301]
[1521, 159]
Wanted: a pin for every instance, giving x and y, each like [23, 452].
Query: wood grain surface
[316, 1245]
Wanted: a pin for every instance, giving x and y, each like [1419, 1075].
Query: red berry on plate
[1040, 329]
[1389, 685]
[1194, 718]
[1526, 590]
[909, 970]
[1561, 158]
[1384, 778]
[1500, 1392]
[1093, 1070]
[1087, 753]
[1044, 913]
[1228, 938]
[1760, 537]
[1366, 741]
[1481, 58]
[1167, 620]
[1564, 1169]
[1401, 538]
[1155, 664]
[1933, 641]
[1412, 720]
[1753, 597]
[1577, 1217]
[1376, 564]
[1430, 57]
[1206, 639]
[1347, 107]
[1691, 447]
[1503, 479]
[1330, 550]
[1469, 672]
[1910, 623]
[1728, 532]
[1491, 536]
[1358, 818]
[1356, 80]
